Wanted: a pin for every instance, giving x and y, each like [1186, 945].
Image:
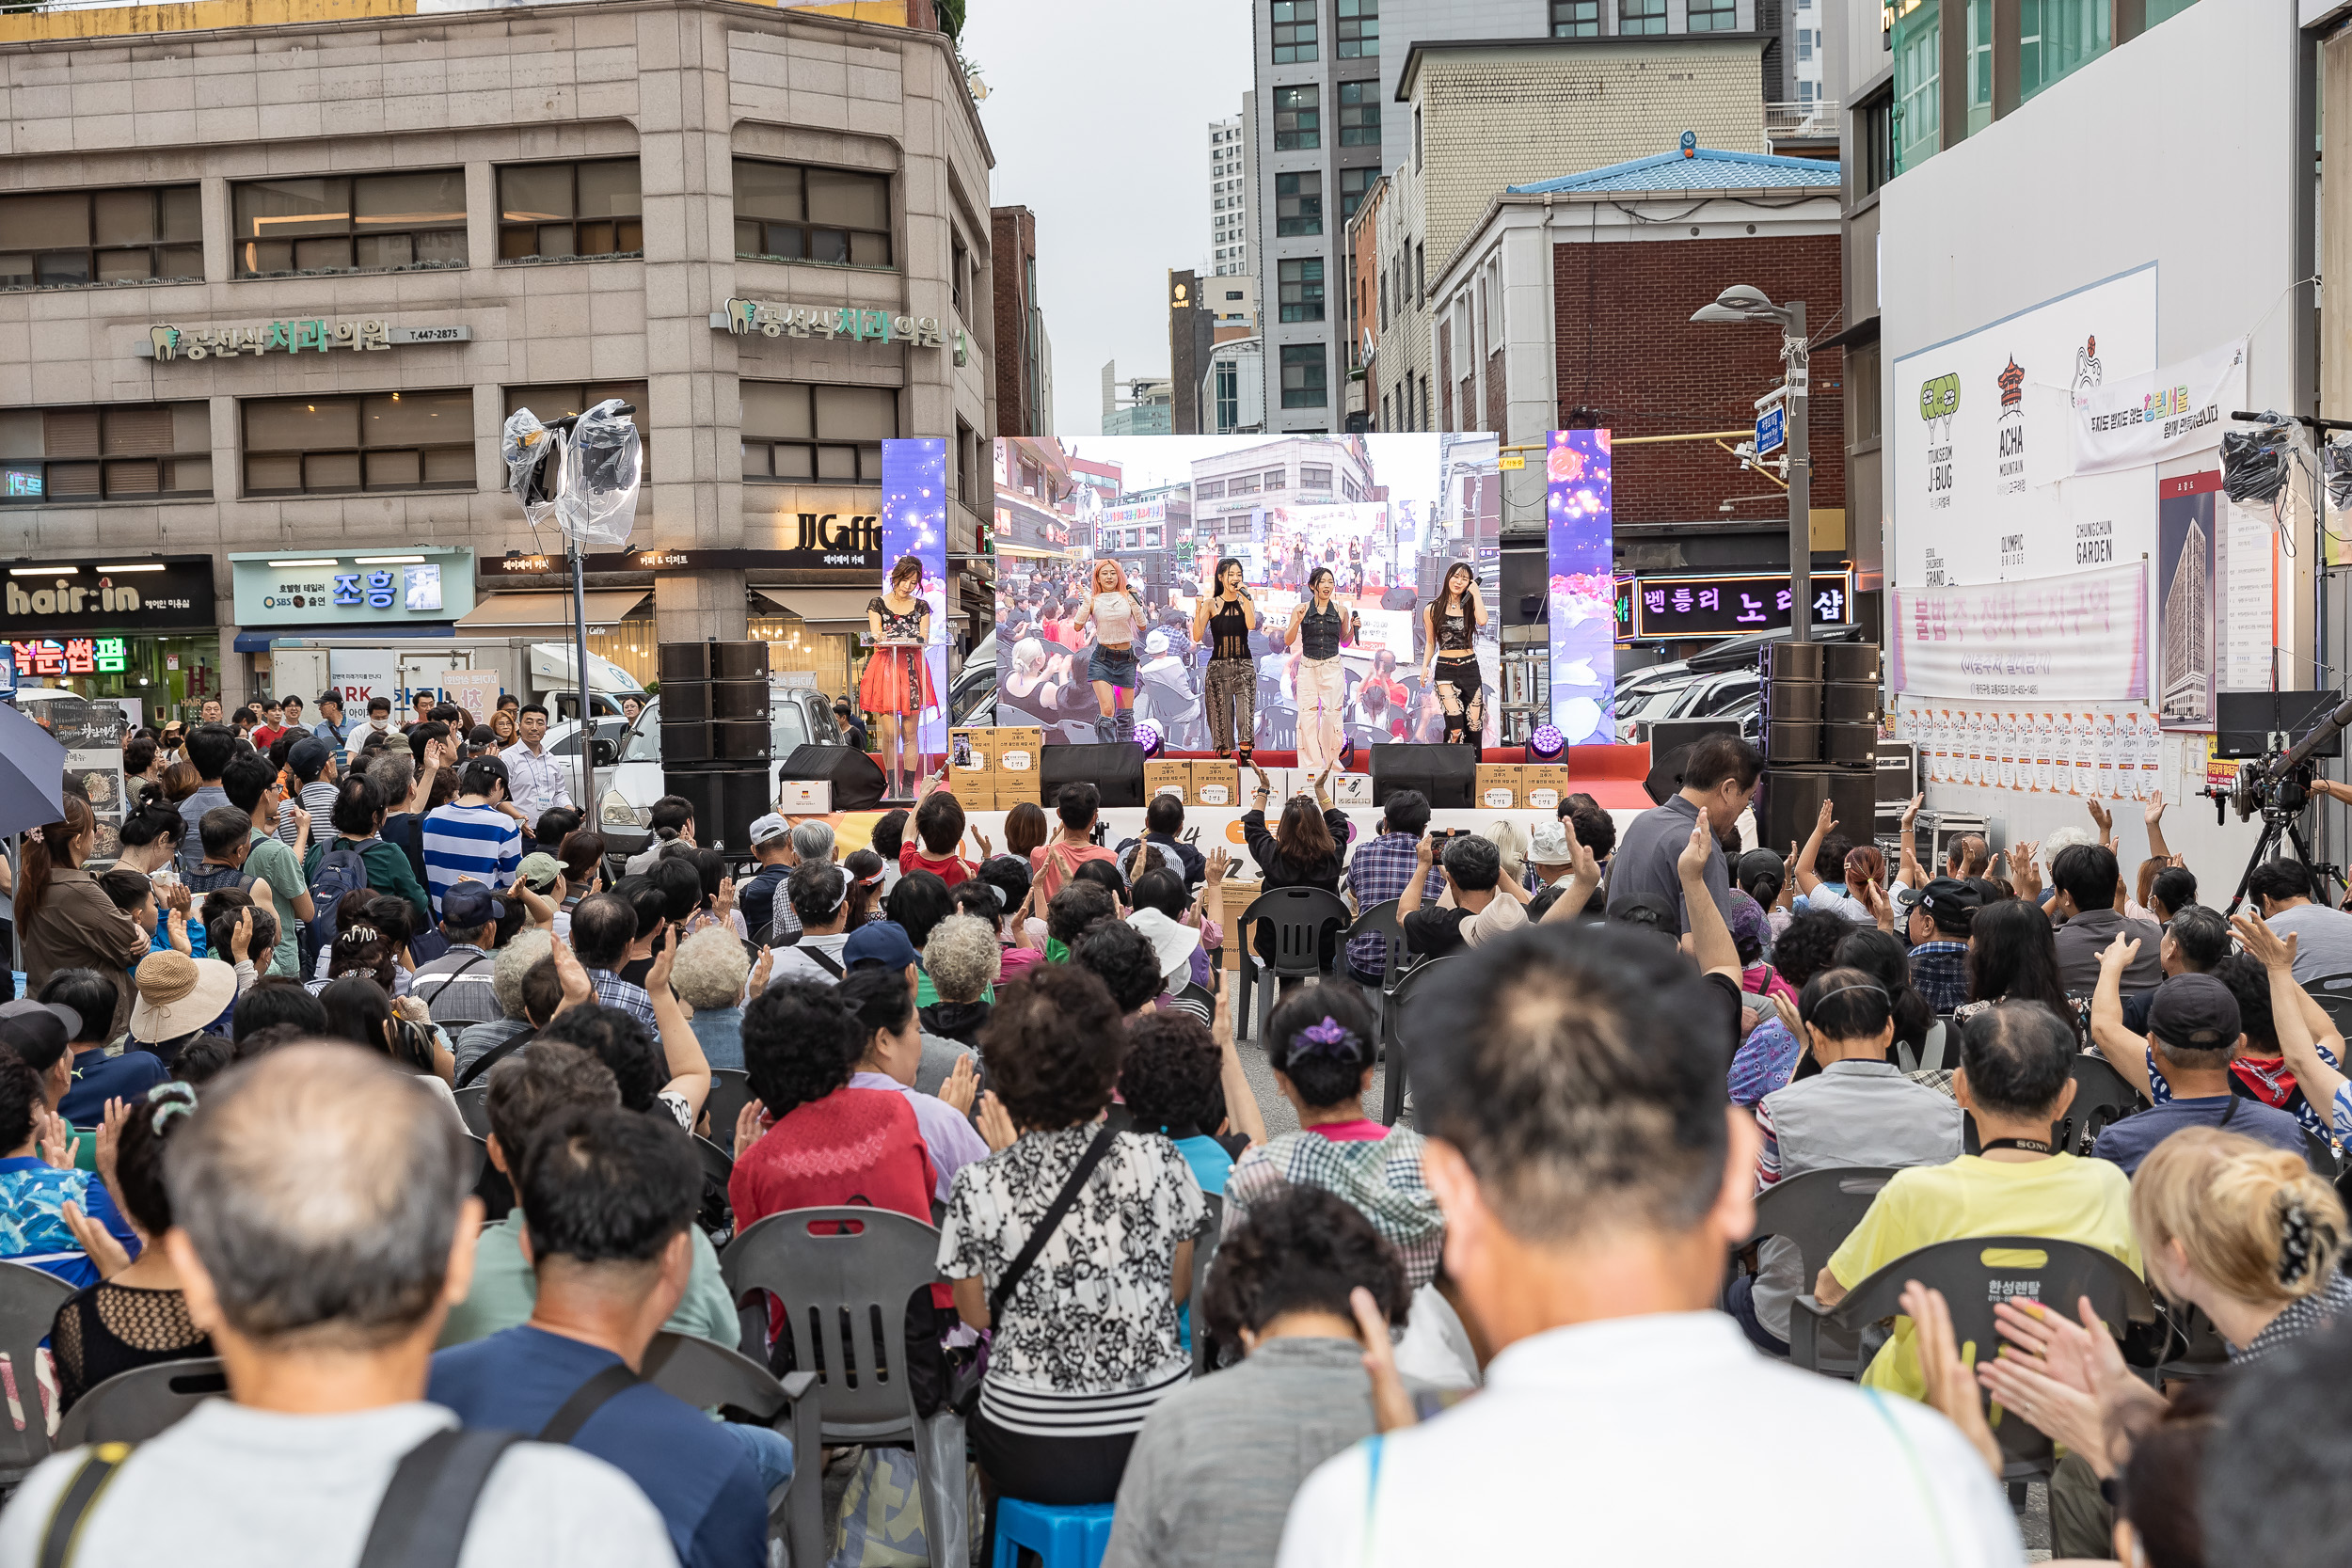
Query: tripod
[2276, 825]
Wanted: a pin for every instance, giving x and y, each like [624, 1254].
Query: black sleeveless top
[1319, 633]
[1454, 632]
[1231, 627]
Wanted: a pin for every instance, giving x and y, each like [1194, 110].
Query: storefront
[139, 628]
[406, 602]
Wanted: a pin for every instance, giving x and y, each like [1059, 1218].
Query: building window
[1212, 489]
[1276, 479]
[60, 239]
[1303, 376]
[1243, 485]
[787, 213]
[1575, 18]
[382, 441]
[1417, 137]
[1712, 15]
[1298, 119]
[125, 451]
[350, 223]
[1383, 299]
[1360, 29]
[2055, 38]
[1359, 114]
[562, 399]
[1298, 203]
[1640, 16]
[1420, 273]
[1294, 31]
[1874, 163]
[957, 260]
[1311, 477]
[1918, 44]
[547, 210]
[1424, 403]
[1301, 282]
[1354, 183]
[797, 433]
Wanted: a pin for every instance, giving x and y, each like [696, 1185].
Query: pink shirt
[1364, 1130]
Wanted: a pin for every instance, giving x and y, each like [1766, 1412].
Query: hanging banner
[1579, 533]
[2174, 411]
[2080, 637]
[475, 690]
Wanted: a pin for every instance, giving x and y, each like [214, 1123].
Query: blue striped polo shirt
[481, 841]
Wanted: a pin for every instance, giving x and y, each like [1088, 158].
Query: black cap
[1950, 904]
[2195, 1012]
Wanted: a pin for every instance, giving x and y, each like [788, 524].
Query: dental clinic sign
[169, 342]
[745, 317]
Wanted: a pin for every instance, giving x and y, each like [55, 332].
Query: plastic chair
[1204, 1253]
[473, 1105]
[717, 1215]
[1380, 921]
[844, 1297]
[1968, 1272]
[132, 1406]
[481, 1148]
[1816, 1209]
[30, 1300]
[2102, 1099]
[1393, 1047]
[1297, 917]
[713, 1377]
[1932, 1050]
[2334, 992]
[730, 1089]
[1062, 1537]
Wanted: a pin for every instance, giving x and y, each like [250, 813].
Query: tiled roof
[1704, 170]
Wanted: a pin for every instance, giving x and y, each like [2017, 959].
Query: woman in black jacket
[1306, 848]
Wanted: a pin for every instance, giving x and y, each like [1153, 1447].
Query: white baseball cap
[768, 829]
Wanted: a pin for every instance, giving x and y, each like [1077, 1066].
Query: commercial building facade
[1231, 200]
[272, 290]
[1024, 365]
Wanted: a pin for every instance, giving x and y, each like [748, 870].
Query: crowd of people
[232, 1113]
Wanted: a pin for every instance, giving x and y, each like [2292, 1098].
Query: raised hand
[106, 1255]
[1691, 865]
[994, 1124]
[1910, 811]
[1950, 1388]
[2153, 813]
[750, 1122]
[962, 1087]
[1392, 1407]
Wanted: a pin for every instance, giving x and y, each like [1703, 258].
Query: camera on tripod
[2280, 736]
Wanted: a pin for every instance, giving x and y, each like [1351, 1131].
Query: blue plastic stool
[1064, 1537]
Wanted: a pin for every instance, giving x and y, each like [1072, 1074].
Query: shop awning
[259, 639]
[837, 606]
[527, 612]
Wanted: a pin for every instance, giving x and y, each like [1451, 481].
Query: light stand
[1741, 305]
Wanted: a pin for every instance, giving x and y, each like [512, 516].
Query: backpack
[340, 873]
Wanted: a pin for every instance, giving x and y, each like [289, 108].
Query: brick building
[1570, 305]
[1025, 360]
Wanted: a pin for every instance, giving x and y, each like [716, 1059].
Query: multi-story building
[1227, 488]
[1232, 390]
[1139, 406]
[270, 291]
[1025, 363]
[1230, 199]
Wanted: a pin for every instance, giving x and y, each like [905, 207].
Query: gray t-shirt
[1644, 860]
[233, 1487]
[2323, 940]
[205, 798]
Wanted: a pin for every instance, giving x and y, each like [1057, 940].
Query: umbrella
[32, 774]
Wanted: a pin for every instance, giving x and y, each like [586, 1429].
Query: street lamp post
[1743, 304]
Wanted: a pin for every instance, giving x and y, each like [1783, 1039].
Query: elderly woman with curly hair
[961, 958]
[709, 976]
[1085, 1336]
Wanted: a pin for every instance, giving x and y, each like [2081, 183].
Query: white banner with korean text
[2174, 411]
[2080, 637]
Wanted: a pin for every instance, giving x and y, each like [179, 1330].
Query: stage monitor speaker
[856, 778]
[1114, 767]
[1850, 703]
[726, 802]
[704, 661]
[2245, 720]
[1670, 742]
[695, 702]
[715, 739]
[1447, 775]
[1897, 767]
[1793, 661]
[1791, 798]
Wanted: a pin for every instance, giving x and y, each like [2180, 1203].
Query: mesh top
[111, 1329]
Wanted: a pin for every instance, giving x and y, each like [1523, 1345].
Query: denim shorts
[1112, 666]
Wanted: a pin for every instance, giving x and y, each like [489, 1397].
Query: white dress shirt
[1658, 1440]
[535, 781]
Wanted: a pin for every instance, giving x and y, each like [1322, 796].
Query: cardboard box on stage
[1351, 791]
[971, 756]
[805, 796]
[1543, 785]
[1213, 782]
[1498, 786]
[1168, 778]
[1014, 754]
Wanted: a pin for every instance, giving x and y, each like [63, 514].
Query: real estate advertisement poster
[2185, 584]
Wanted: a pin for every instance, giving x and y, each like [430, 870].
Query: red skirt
[896, 680]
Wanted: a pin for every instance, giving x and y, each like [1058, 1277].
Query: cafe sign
[745, 316]
[290, 337]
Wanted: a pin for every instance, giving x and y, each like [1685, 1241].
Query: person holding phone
[1230, 688]
[1452, 620]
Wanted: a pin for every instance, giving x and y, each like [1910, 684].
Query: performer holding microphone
[1231, 689]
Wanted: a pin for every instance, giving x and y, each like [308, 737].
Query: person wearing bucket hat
[1551, 857]
[2194, 1030]
[176, 998]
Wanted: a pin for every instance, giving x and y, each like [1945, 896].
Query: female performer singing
[1454, 618]
[1231, 689]
[1115, 611]
[896, 686]
[1318, 628]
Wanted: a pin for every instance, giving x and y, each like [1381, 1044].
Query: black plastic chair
[2334, 992]
[1380, 921]
[730, 1090]
[481, 1148]
[473, 1107]
[1203, 1252]
[1816, 1209]
[1395, 1046]
[1973, 1274]
[713, 1377]
[843, 1276]
[1296, 919]
[132, 1406]
[2102, 1099]
[29, 1299]
[717, 1215]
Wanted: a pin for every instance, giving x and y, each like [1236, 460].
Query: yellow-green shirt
[2063, 1197]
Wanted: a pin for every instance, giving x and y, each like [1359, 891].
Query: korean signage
[91, 734]
[2079, 637]
[2174, 411]
[48, 658]
[744, 316]
[142, 593]
[1651, 608]
[360, 590]
[828, 538]
[290, 337]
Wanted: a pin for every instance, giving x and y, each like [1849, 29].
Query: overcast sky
[1098, 111]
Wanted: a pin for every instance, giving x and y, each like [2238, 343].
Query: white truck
[361, 668]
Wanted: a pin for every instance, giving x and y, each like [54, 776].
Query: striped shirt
[481, 841]
[456, 987]
[318, 798]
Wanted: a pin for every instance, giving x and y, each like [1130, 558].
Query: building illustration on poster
[1579, 544]
[2185, 584]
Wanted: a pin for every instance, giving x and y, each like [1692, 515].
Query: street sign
[1510, 460]
[1771, 430]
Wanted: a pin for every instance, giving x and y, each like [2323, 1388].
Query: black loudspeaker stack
[1821, 739]
[1670, 743]
[1447, 775]
[716, 737]
[1115, 768]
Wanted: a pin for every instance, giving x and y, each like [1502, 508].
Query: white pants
[1319, 685]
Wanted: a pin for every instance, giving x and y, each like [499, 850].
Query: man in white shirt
[819, 892]
[536, 782]
[2322, 937]
[1593, 1179]
[324, 1229]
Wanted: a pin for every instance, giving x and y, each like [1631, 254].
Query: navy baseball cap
[2195, 1012]
[878, 942]
[470, 904]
